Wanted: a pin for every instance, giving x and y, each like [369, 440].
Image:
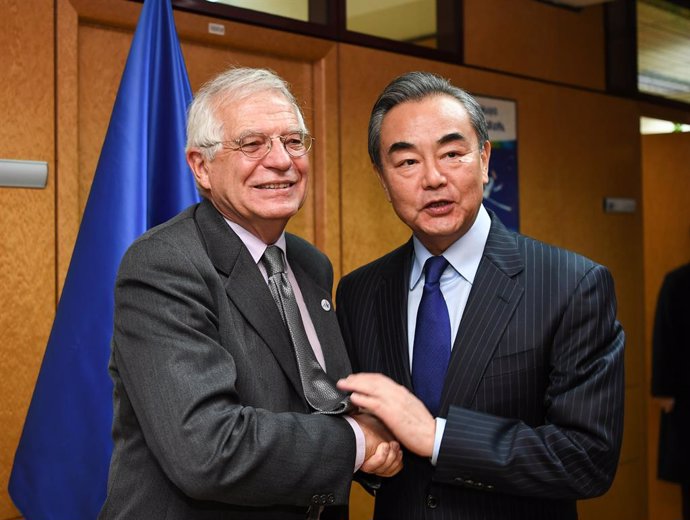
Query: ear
[484, 161]
[199, 166]
[382, 180]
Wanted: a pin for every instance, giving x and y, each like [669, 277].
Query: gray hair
[415, 86]
[204, 129]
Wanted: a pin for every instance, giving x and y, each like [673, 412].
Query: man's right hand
[383, 455]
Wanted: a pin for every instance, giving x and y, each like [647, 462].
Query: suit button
[431, 502]
[331, 498]
[460, 480]
[322, 500]
[315, 499]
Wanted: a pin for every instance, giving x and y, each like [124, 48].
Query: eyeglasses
[257, 146]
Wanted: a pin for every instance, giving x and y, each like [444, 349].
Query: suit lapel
[246, 287]
[492, 301]
[391, 305]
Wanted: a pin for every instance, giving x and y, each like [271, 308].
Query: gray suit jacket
[534, 391]
[210, 419]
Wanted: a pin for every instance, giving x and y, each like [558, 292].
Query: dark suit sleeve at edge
[666, 369]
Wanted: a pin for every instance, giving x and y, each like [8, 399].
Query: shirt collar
[464, 254]
[255, 245]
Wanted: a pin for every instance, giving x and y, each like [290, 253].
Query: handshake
[389, 415]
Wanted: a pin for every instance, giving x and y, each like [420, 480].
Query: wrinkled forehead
[434, 119]
[265, 111]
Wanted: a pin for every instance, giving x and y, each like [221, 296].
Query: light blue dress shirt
[463, 258]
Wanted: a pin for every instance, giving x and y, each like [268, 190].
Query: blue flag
[60, 468]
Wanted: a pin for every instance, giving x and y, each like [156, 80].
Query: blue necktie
[431, 350]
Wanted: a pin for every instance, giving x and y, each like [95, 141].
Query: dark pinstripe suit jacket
[534, 392]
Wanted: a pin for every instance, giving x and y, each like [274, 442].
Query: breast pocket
[513, 386]
[506, 363]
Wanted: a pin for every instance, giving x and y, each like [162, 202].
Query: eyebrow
[454, 136]
[400, 145]
[448, 138]
[291, 130]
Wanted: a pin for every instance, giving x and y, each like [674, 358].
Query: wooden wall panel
[574, 148]
[27, 240]
[69, 207]
[666, 177]
[536, 39]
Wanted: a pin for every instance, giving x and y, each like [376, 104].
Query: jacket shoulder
[178, 233]
[170, 227]
[559, 258]
[680, 274]
[310, 259]
[304, 251]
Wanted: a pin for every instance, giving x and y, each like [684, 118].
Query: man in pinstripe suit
[530, 411]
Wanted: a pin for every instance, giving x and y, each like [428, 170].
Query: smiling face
[259, 194]
[432, 168]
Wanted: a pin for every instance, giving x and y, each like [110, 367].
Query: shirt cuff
[360, 443]
[440, 428]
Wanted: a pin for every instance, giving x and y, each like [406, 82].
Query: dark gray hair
[415, 86]
[237, 83]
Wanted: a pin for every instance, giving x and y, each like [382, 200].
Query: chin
[442, 229]
[281, 214]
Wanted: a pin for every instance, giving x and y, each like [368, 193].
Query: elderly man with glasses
[226, 346]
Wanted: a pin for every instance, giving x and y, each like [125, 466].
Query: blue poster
[501, 192]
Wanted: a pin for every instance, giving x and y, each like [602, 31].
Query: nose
[433, 176]
[277, 157]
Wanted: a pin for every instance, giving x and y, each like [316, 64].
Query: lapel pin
[325, 305]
